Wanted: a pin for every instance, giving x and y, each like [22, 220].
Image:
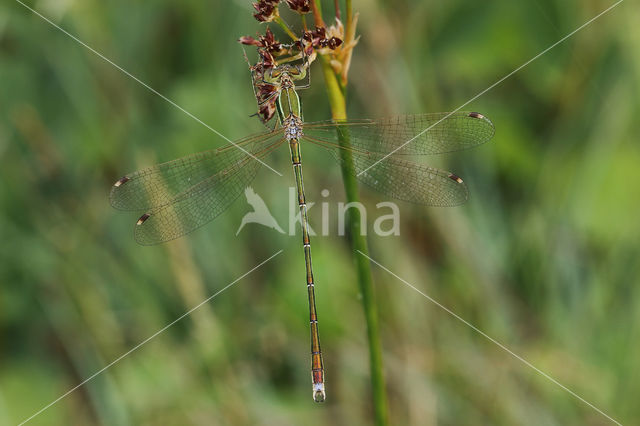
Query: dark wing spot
[143, 218]
[455, 178]
[121, 181]
[476, 115]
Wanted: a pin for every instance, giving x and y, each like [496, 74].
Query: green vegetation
[543, 257]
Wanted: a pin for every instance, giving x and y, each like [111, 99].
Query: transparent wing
[401, 179]
[157, 186]
[184, 194]
[423, 134]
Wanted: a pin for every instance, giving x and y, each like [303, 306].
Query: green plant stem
[278, 20]
[316, 8]
[349, 19]
[359, 244]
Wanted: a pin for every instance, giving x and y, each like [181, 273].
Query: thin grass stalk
[359, 244]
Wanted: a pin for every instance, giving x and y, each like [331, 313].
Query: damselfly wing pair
[179, 196]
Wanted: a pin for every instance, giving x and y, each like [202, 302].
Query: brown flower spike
[300, 6]
[266, 10]
[317, 39]
[267, 42]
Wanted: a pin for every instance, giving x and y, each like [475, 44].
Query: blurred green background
[543, 257]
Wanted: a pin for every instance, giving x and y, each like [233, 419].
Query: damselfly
[181, 195]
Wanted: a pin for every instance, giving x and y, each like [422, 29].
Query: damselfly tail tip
[143, 218]
[121, 181]
[318, 392]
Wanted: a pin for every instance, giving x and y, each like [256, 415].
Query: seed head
[300, 6]
[266, 10]
[266, 93]
[267, 42]
[317, 39]
[267, 110]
